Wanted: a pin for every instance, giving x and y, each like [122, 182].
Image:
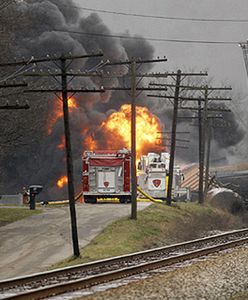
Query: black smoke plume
[46, 28]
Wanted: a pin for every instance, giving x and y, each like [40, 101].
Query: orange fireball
[117, 129]
[62, 182]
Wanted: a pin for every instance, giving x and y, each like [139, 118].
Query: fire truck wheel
[92, 200]
[124, 200]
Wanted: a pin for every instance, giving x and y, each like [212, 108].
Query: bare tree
[21, 132]
[6, 3]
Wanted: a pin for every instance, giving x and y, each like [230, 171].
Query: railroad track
[47, 284]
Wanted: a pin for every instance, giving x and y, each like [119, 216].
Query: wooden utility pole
[133, 143]
[209, 135]
[69, 160]
[133, 64]
[173, 137]
[202, 135]
[201, 155]
[208, 149]
[203, 118]
[63, 90]
[176, 98]
[205, 136]
[244, 47]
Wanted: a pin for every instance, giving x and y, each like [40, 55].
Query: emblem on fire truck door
[106, 184]
[156, 182]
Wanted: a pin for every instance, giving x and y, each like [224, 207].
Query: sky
[223, 62]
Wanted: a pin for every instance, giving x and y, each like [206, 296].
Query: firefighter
[25, 196]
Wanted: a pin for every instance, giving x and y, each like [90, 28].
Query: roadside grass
[156, 226]
[9, 215]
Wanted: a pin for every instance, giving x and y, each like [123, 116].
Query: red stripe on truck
[85, 177]
[126, 186]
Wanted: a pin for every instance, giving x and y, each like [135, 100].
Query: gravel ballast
[220, 276]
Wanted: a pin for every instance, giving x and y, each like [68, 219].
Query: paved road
[33, 244]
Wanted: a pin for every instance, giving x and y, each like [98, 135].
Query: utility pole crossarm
[177, 146]
[209, 109]
[83, 74]
[16, 106]
[200, 88]
[178, 132]
[137, 89]
[172, 74]
[137, 61]
[13, 85]
[189, 98]
[68, 91]
[178, 140]
[154, 75]
[173, 97]
[32, 60]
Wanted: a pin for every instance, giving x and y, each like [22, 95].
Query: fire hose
[77, 197]
[149, 197]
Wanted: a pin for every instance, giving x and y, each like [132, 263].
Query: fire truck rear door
[106, 178]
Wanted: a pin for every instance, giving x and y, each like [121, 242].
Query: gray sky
[224, 62]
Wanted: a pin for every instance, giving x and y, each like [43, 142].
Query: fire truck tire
[125, 200]
[90, 199]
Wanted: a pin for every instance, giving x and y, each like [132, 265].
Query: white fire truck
[106, 174]
[153, 176]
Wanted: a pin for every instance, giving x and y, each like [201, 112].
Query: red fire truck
[106, 174]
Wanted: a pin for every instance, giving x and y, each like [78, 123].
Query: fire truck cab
[106, 174]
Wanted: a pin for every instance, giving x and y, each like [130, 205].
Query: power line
[150, 38]
[157, 17]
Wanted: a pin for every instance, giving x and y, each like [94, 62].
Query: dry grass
[9, 215]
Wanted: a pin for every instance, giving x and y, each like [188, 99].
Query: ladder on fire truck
[244, 47]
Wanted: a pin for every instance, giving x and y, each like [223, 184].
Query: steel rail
[14, 282]
[122, 273]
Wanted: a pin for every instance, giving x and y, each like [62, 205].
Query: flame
[115, 133]
[61, 146]
[90, 142]
[62, 182]
[118, 126]
[58, 112]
